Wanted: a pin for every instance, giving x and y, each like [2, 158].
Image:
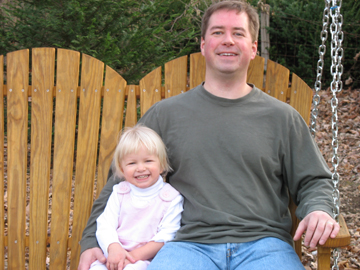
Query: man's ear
[254, 49]
[202, 44]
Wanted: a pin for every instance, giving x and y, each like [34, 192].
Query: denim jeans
[264, 254]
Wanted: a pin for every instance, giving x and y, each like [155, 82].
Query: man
[237, 153]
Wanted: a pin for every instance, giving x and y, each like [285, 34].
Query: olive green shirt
[235, 162]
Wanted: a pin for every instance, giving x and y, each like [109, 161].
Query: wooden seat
[63, 113]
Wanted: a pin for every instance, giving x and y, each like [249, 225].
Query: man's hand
[89, 256]
[319, 226]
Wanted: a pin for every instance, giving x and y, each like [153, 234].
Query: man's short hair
[233, 5]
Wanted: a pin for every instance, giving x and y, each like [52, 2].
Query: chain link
[336, 87]
[320, 66]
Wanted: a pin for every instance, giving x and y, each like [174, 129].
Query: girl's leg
[139, 265]
[97, 266]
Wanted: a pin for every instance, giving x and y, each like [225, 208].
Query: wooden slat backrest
[112, 122]
[176, 76]
[150, 90]
[2, 195]
[277, 80]
[301, 97]
[256, 72]
[43, 70]
[131, 106]
[92, 72]
[17, 136]
[81, 103]
[67, 77]
[197, 69]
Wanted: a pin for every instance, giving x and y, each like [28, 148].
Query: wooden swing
[58, 134]
[51, 157]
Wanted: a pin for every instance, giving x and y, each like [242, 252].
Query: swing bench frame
[58, 133]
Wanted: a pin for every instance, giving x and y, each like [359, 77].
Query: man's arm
[310, 186]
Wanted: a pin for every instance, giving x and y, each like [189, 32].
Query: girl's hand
[116, 258]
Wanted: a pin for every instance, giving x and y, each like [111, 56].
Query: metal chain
[337, 54]
[336, 86]
[320, 65]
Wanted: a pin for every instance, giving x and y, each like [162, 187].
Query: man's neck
[230, 88]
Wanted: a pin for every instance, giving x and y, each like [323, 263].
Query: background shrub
[134, 37]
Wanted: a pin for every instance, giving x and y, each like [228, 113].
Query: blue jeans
[264, 254]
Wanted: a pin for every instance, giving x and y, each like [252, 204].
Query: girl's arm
[146, 252]
[171, 221]
[88, 239]
[107, 223]
[166, 231]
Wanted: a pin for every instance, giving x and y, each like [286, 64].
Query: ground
[349, 168]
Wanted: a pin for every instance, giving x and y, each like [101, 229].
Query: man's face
[228, 47]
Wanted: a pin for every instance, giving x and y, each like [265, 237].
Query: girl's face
[142, 169]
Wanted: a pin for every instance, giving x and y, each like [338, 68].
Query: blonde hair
[238, 6]
[133, 139]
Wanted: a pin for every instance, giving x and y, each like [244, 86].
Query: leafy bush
[132, 37]
[295, 28]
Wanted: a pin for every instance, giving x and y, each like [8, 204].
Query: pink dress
[135, 216]
[138, 225]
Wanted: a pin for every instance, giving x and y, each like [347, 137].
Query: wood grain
[197, 69]
[277, 80]
[111, 124]
[92, 71]
[67, 80]
[43, 70]
[255, 73]
[17, 131]
[150, 90]
[176, 76]
[131, 106]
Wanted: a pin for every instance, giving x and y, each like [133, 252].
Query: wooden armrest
[341, 240]
[343, 237]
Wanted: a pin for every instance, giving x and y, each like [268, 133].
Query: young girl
[143, 212]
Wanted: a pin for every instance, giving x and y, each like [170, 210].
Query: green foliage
[295, 28]
[132, 37]
[352, 41]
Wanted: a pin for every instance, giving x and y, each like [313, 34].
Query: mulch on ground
[348, 169]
